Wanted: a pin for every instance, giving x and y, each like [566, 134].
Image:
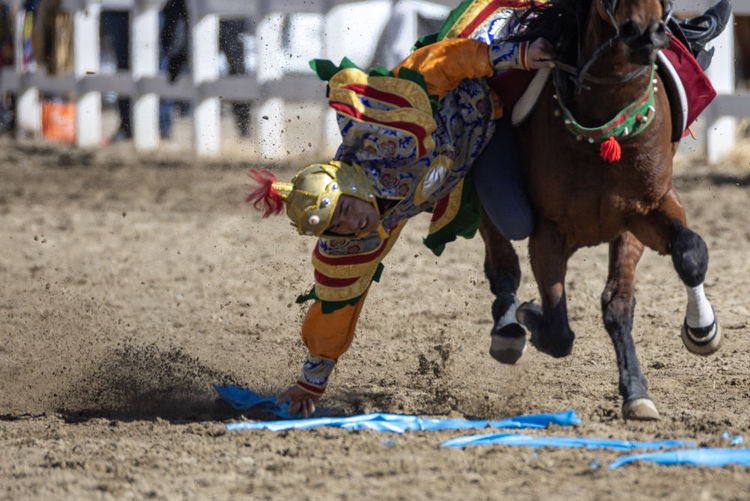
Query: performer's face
[353, 216]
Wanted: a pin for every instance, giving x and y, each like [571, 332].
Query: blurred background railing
[63, 63]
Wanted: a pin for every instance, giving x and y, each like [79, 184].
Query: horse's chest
[595, 203]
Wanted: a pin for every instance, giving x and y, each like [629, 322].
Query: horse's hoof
[704, 340]
[508, 349]
[642, 409]
[558, 344]
[556, 349]
[529, 314]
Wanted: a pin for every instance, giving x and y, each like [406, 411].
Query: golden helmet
[312, 195]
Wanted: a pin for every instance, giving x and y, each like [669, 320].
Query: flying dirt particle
[264, 117]
[124, 214]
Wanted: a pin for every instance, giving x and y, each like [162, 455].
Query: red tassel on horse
[610, 150]
[265, 197]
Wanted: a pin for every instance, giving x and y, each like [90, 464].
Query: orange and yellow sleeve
[329, 335]
[444, 64]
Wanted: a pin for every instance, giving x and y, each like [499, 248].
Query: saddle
[688, 88]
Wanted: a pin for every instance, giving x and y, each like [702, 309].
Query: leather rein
[583, 77]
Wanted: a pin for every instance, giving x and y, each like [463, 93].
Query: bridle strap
[581, 72]
[598, 80]
[610, 9]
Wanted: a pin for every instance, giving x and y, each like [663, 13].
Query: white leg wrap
[699, 312]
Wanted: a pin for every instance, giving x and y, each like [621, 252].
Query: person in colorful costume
[409, 140]
[428, 136]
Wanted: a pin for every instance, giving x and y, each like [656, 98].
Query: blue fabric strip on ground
[518, 439]
[243, 399]
[697, 457]
[398, 423]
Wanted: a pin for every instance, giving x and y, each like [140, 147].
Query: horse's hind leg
[549, 327]
[508, 337]
[665, 231]
[618, 306]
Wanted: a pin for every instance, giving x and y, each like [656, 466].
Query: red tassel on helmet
[265, 197]
[610, 150]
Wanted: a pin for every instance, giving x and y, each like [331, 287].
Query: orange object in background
[59, 121]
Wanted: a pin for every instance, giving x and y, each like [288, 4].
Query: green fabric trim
[425, 41]
[629, 123]
[412, 75]
[452, 18]
[447, 25]
[465, 224]
[331, 306]
[418, 78]
[325, 70]
[307, 296]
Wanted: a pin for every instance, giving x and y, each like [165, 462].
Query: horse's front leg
[508, 337]
[666, 231]
[618, 305]
[550, 331]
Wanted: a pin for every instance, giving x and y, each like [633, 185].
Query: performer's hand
[299, 400]
[541, 52]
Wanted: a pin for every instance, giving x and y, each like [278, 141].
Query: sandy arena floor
[131, 284]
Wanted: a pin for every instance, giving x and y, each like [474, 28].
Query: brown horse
[582, 199]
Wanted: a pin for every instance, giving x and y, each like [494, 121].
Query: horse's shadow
[175, 411]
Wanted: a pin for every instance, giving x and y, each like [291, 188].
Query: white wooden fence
[323, 28]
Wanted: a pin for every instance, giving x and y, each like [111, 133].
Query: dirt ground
[132, 284]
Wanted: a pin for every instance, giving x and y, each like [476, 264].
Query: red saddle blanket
[687, 86]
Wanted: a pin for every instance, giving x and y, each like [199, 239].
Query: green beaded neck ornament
[629, 122]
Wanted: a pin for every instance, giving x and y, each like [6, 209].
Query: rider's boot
[697, 31]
